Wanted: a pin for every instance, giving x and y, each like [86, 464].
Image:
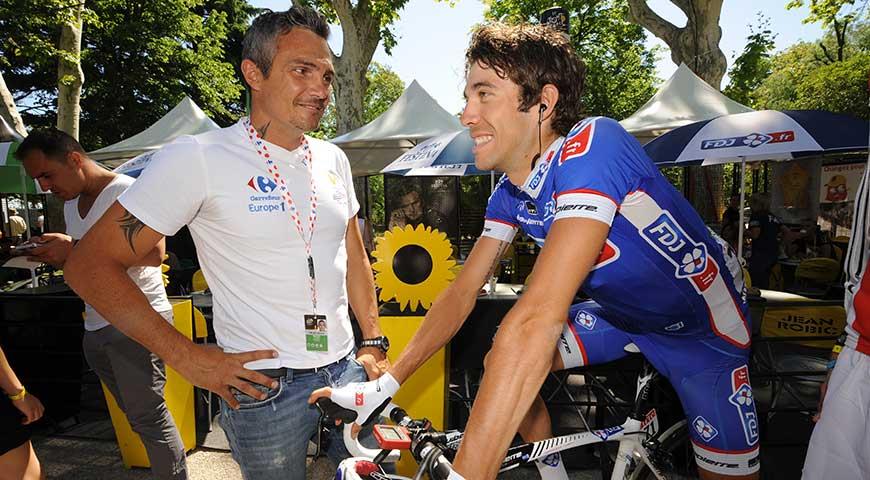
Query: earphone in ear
[543, 107]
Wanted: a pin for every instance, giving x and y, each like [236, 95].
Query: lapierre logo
[715, 463]
[581, 207]
[742, 399]
[564, 342]
[752, 140]
[688, 256]
[585, 319]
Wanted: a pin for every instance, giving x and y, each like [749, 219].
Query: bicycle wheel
[672, 454]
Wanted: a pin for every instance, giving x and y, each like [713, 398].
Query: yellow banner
[821, 321]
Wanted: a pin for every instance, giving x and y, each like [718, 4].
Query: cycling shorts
[709, 374]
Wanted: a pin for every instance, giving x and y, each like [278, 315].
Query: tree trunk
[696, 44]
[9, 111]
[70, 76]
[362, 33]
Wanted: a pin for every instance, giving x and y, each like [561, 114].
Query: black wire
[540, 146]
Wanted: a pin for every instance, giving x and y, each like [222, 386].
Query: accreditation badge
[316, 339]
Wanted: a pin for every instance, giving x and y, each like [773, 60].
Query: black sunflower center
[412, 264]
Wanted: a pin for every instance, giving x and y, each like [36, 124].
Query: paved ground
[74, 459]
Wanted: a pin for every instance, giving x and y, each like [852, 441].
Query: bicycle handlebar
[426, 444]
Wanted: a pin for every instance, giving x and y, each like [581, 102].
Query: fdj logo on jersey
[689, 257]
[752, 140]
[585, 319]
[742, 399]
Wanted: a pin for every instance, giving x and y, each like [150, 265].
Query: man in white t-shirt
[134, 375]
[273, 216]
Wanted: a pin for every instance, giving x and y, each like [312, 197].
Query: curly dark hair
[532, 56]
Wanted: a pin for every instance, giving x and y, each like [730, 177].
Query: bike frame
[630, 435]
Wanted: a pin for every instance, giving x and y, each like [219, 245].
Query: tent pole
[21, 174]
[742, 200]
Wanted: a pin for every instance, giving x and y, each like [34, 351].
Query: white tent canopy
[186, 118]
[682, 100]
[412, 118]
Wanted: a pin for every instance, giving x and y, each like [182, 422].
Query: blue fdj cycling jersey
[660, 269]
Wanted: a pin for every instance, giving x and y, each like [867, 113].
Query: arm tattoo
[502, 247]
[131, 226]
[263, 129]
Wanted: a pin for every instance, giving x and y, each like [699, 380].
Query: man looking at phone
[134, 375]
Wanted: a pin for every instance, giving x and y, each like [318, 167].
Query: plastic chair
[815, 276]
[198, 281]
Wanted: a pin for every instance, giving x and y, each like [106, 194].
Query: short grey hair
[261, 39]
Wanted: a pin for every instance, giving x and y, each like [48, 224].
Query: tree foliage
[364, 24]
[620, 69]
[803, 78]
[753, 65]
[140, 58]
[384, 87]
[834, 15]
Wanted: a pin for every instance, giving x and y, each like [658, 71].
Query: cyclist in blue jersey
[606, 219]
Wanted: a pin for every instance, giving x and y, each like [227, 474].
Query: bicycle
[643, 452]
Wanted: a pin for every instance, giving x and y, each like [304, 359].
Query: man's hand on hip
[367, 399]
[374, 360]
[211, 368]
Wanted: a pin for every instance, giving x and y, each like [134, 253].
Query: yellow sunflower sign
[413, 265]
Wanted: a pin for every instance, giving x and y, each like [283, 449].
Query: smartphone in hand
[24, 248]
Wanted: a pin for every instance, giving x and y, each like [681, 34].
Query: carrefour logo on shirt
[262, 184]
[265, 201]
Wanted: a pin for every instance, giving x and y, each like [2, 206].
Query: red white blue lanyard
[272, 168]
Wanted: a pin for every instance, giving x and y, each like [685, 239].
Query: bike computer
[392, 437]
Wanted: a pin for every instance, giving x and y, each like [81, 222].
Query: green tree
[139, 58]
[753, 65]
[364, 24]
[803, 78]
[696, 43]
[833, 14]
[620, 70]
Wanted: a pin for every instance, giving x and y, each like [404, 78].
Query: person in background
[17, 226]
[134, 375]
[411, 211]
[273, 214]
[766, 231]
[730, 228]
[17, 411]
[840, 445]
[39, 228]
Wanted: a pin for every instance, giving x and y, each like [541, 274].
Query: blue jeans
[269, 438]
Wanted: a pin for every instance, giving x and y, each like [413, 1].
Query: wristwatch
[381, 342]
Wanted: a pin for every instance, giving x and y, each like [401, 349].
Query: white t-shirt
[252, 256]
[148, 279]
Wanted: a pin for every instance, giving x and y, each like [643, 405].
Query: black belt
[282, 371]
